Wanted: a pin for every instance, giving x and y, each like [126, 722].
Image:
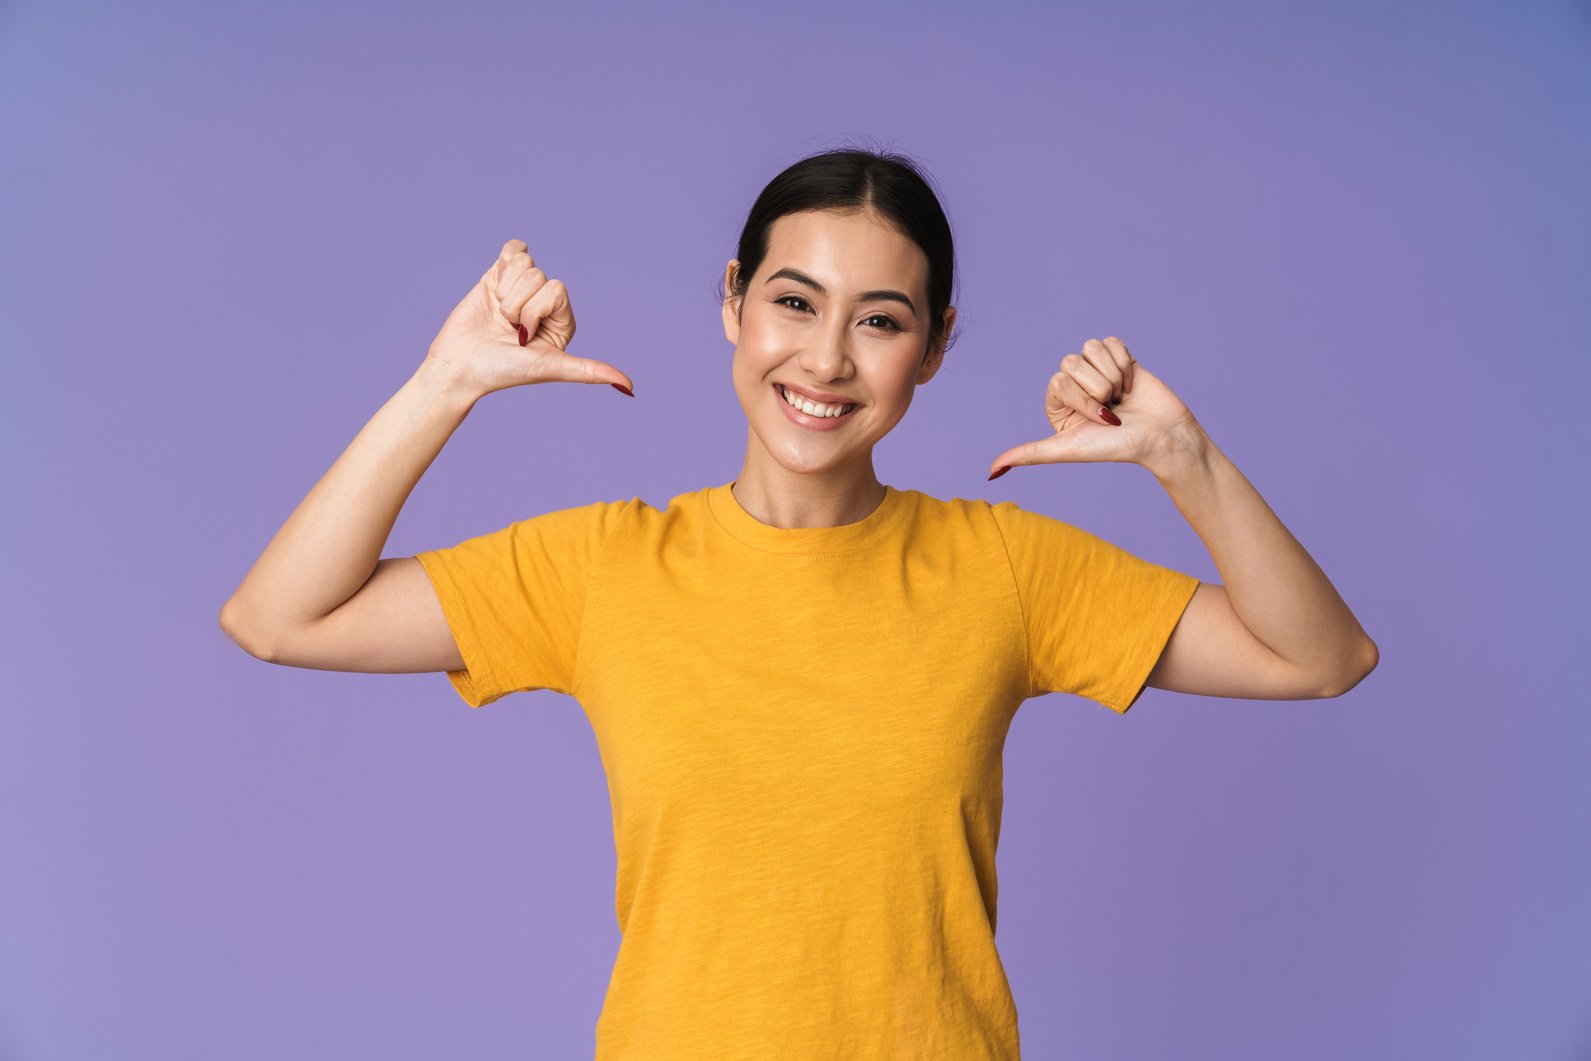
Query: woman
[801, 680]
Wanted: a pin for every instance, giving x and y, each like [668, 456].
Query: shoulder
[962, 519]
[986, 517]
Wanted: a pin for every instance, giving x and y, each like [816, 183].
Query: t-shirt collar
[749, 530]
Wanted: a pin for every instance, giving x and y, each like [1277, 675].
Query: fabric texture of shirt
[802, 733]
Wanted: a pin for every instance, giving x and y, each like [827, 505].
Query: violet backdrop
[1346, 235]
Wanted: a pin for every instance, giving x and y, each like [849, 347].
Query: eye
[890, 324]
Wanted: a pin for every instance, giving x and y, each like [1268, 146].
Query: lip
[817, 396]
[813, 423]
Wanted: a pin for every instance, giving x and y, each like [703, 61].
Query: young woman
[801, 680]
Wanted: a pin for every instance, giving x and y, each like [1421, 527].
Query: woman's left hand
[1103, 382]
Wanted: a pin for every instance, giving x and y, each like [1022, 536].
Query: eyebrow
[866, 296]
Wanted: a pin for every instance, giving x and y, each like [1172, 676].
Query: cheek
[762, 348]
[750, 366]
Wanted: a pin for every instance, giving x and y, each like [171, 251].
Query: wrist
[1184, 449]
[446, 382]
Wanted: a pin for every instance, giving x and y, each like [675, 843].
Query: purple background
[1354, 240]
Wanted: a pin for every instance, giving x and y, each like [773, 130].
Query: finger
[1075, 394]
[1104, 360]
[527, 281]
[511, 269]
[501, 276]
[550, 303]
[1123, 358]
[511, 248]
[1090, 382]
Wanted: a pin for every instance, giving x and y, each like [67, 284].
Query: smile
[822, 417]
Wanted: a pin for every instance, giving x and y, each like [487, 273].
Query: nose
[827, 356]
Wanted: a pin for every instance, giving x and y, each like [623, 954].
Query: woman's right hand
[513, 328]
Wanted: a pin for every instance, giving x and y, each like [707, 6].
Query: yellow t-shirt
[802, 733]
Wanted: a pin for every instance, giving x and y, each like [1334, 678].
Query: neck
[774, 494]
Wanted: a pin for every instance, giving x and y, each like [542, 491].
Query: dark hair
[858, 178]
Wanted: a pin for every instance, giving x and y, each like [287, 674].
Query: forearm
[1275, 587]
[330, 545]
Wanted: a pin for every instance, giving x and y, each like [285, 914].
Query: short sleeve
[1097, 617]
[514, 599]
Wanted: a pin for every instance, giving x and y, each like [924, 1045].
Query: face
[861, 339]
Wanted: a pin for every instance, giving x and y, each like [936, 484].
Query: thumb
[569, 368]
[1027, 453]
[1056, 449]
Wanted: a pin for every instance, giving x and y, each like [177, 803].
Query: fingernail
[524, 336]
[1109, 417]
[622, 387]
[1001, 470]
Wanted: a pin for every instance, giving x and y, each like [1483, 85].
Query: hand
[513, 328]
[1105, 376]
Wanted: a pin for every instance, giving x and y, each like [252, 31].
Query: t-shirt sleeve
[514, 599]
[1097, 617]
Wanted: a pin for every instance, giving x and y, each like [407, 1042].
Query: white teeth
[814, 408]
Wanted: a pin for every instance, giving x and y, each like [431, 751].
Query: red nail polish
[524, 336]
[1109, 417]
[622, 387]
[1001, 470]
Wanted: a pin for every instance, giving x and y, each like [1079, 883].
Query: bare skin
[1277, 629]
[832, 342]
[319, 596]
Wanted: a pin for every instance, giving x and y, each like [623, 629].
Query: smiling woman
[806, 799]
[839, 296]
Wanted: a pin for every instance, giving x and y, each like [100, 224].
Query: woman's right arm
[329, 547]
[319, 595]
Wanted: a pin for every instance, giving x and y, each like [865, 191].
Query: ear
[935, 357]
[731, 308]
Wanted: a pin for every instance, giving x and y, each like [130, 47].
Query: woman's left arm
[1276, 629]
[1273, 597]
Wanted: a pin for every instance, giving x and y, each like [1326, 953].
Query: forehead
[852, 250]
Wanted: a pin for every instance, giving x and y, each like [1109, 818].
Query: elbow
[1369, 655]
[233, 626]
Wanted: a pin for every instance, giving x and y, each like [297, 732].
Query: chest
[749, 687]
